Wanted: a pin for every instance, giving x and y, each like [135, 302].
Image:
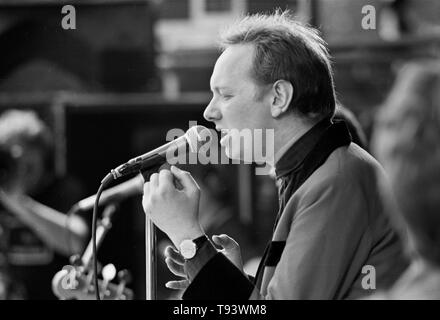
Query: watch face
[188, 249]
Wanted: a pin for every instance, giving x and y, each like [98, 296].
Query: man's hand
[175, 262]
[230, 248]
[173, 210]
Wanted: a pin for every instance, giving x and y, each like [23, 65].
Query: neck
[287, 132]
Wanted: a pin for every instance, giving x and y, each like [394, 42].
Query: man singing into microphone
[274, 73]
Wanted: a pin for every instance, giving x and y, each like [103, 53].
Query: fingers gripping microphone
[195, 137]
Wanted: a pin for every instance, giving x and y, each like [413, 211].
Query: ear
[282, 93]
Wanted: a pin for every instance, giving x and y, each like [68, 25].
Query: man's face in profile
[238, 101]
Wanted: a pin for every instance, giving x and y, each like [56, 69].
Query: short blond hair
[286, 49]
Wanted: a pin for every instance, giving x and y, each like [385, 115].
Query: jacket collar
[296, 154]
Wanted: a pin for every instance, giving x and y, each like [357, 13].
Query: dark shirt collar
[296, 154]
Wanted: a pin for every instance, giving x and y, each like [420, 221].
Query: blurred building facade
[111, 48]
[365, 60]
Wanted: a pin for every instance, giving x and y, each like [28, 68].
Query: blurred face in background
[406, 141]
[28, 172]
[26, 142]
[238, 101]
[34, 169]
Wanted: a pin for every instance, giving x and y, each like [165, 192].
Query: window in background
[258, 6]
[174, 9]
[218, 5]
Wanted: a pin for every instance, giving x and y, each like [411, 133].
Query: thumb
[225, 242]
[184, 178]
[177, 284]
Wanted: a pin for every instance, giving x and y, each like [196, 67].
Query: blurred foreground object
[407, 142]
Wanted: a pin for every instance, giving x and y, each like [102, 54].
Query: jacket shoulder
[350, 164]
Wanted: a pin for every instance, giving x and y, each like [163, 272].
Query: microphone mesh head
[198, 136]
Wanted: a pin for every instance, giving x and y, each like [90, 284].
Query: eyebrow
[218, 88]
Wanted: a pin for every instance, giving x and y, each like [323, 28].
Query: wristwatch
[188, 248]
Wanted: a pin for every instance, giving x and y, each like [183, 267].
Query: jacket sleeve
[214, 277]
[329, 226]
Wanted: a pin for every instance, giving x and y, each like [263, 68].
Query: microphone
[132, 187]
[195, 137]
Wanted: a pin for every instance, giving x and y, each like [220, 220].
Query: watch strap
[200, 241]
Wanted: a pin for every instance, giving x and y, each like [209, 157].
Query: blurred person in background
[275, 73]
[356, 131]
[35, 232]
[407, 141]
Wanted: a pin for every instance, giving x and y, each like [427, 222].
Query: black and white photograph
[210, 153]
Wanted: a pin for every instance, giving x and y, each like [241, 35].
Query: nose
[212, 113]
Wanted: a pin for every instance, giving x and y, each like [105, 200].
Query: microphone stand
[150, 259]
[150, 249]
[150, 245]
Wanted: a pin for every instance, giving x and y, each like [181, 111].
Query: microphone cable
[104, 183]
